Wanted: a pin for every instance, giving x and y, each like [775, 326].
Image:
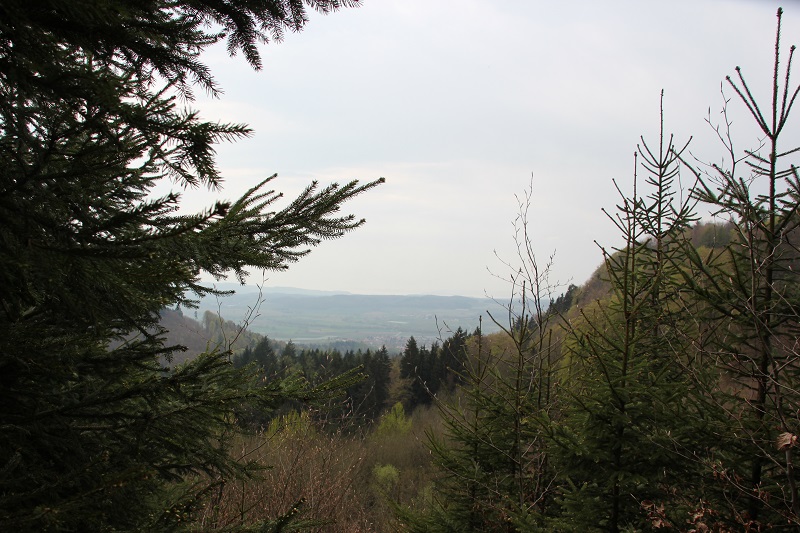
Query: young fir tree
[626, 418]
[750, 302]
[96, 434]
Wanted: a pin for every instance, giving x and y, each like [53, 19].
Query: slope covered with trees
[664, 395]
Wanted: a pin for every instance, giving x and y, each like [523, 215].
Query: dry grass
[301, 464]
[343, 480]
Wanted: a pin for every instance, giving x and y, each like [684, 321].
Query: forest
[662, 394]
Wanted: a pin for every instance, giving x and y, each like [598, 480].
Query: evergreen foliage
[748, 295]
[431, 370]
[364, 399]
[97, 434]
[619, 442]
[374, 389]
[414, 366]
[453, 354]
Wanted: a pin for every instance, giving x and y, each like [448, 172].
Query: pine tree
[621, 445]
[454, 351]
[748, 297]
[380, 371]
[373, 392]
[97, 435]
[411, 364]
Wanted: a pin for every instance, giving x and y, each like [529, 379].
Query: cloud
[457, 103]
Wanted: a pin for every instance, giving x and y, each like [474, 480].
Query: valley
[322, 318]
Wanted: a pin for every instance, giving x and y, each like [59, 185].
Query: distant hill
[317, 317]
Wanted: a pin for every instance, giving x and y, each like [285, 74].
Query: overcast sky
[461, 105]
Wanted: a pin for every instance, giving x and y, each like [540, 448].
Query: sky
[463, 106]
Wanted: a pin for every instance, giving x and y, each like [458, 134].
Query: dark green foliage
[435, 369]
[563, 303]
[748, 294]
[427, 369]
[621, 440]
[373, 392]
[454, 355]
[262, 355]
[411, 368]
[96, 434]
[491, 456]
[262, 360]
[53, 49]
[363, 399]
